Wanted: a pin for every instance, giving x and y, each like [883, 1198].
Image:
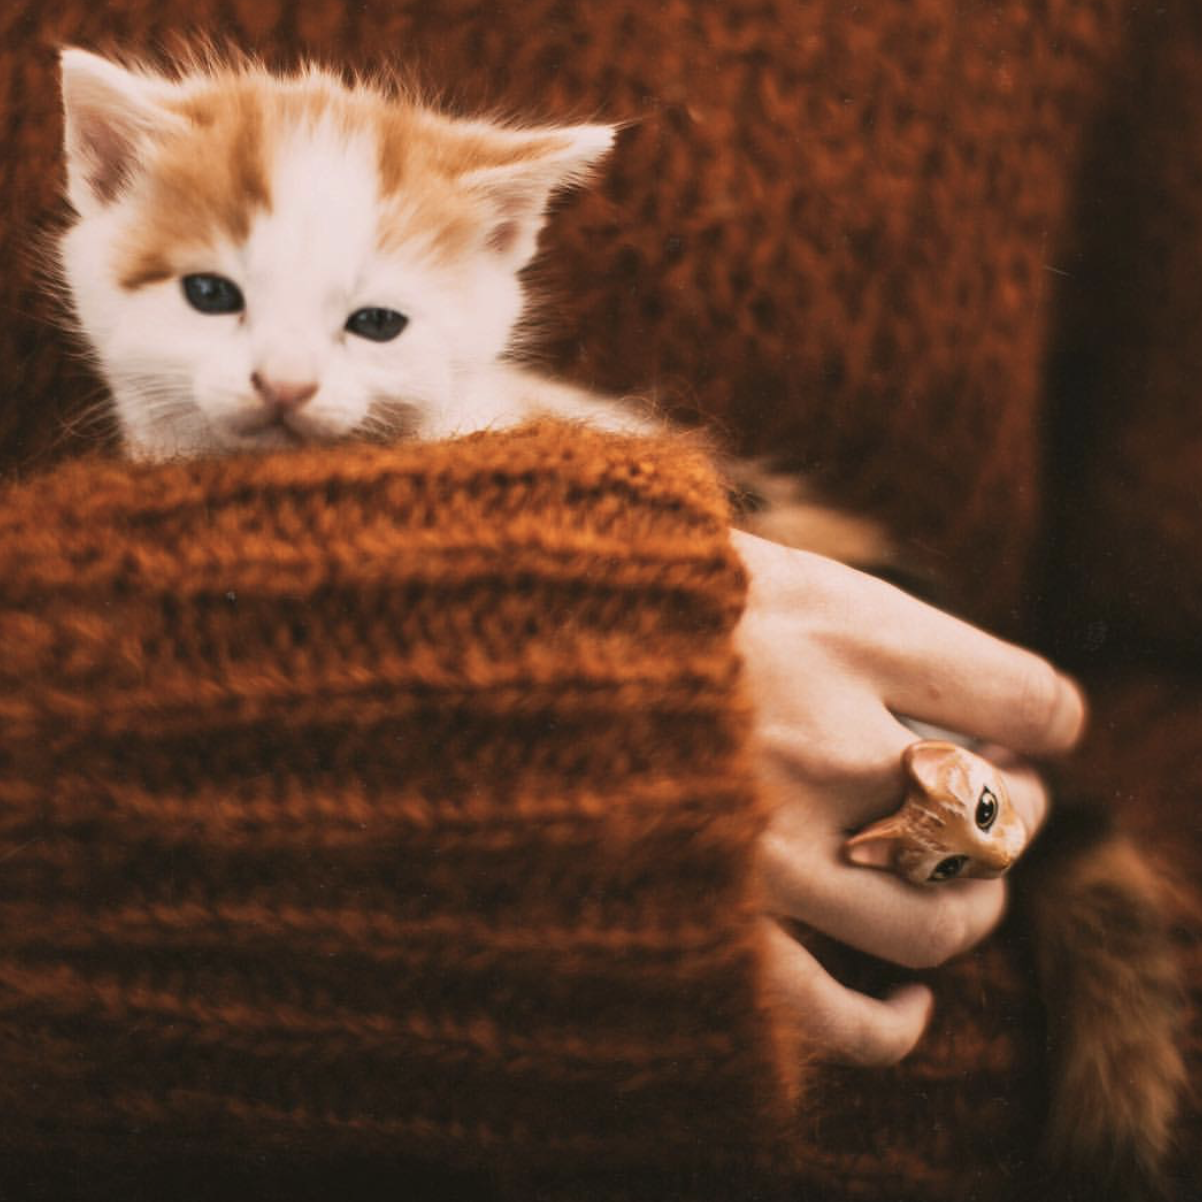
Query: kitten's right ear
[109, 113]
[521, 170]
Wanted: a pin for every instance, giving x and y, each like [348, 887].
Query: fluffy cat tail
[1099, 914]
[780, 506]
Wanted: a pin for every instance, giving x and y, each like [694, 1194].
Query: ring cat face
[957, 820]
[262, 260]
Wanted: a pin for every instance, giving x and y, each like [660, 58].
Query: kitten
[261, 261]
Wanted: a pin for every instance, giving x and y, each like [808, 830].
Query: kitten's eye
[986, 808]
[213, 294]
[946, 869]
[380, 325]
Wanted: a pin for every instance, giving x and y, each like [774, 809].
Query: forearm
[392, 798]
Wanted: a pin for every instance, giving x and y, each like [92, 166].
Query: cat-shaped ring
[956, 820]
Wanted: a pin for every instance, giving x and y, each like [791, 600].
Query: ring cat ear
[878, 845]
[109, 113]
[518, 173]
[931, 763]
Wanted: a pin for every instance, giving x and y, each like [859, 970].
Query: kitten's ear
[109, 113]
[528, 168]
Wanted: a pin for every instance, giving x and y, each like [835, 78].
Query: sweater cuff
[381, 798]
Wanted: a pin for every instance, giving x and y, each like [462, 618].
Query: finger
[877, 912]
[854, 761]
[929, 665]
[841, 1024]
[936, 668]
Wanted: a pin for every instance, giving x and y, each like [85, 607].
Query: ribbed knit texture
[943, 253]
[385, 799]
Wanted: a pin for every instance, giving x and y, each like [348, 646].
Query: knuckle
[772, 867]
[833, 763]
[820, 758]
[854, 753]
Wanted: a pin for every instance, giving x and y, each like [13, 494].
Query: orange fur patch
[207, 180]
[421, 154]
[211, 178]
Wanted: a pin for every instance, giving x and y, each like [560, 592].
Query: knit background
[944, 256]
[832, 230]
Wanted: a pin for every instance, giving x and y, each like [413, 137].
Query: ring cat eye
[946, 869]
[986, 809]
[213, 294]
[380, 325]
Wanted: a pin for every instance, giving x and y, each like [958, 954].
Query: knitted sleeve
[379, 798]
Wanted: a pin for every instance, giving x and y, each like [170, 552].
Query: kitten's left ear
[110, 113]
[529, 167]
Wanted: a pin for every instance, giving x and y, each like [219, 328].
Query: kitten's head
[259, 260]
[957, 820]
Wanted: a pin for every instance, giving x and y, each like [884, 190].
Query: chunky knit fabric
[941, 254]
[391, 800]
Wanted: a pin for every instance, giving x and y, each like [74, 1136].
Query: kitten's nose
[281, 394]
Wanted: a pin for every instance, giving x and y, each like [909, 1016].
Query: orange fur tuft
[213, 174]
[1116, 1009]
[782, 510]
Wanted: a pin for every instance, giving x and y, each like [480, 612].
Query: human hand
[831, 657]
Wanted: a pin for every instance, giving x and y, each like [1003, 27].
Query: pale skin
[831, 656]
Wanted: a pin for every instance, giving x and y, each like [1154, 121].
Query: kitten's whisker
[387, 419]
[90, 421]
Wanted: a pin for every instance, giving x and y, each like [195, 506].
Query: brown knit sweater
[386, 800]
[944, 255]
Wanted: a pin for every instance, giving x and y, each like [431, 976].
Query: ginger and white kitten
[263, 261]
[260, 261]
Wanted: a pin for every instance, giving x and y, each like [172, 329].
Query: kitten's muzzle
[281, 419]
[282, 396]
